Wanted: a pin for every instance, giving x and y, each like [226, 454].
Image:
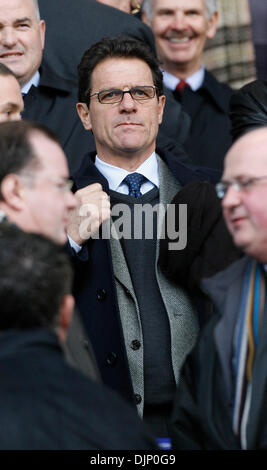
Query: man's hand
[93, 208]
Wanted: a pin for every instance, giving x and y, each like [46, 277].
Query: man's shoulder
[49, 79]
[224, 279]
[220, 92]
[187, 173]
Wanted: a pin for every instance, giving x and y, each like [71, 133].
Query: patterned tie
[134, 182]
[181, 86]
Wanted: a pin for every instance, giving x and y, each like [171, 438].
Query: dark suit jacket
[202, 417]
[95, 290]
[47, 405]
[210, 136]
[53, 103]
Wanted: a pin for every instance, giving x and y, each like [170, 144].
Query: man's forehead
[178, 4]
[18, 9]
[47, 150]
[113, 71]
[10, 90]
[248, 155]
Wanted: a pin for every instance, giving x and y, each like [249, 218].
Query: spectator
[45, 404]
[181, 29]
[48, 98]
[221, 403]
[121, 101]
[35, 195]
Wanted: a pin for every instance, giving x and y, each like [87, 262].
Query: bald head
[244, 204]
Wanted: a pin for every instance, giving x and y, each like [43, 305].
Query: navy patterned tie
[134, 182]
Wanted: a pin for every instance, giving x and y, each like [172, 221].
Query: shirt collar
[115, 175]
[195, 81]
[33, 81]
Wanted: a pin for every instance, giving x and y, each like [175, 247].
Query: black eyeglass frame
[122, 93]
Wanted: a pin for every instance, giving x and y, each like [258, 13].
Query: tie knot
[182, 85]
[134, 182]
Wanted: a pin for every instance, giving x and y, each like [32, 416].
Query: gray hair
[37, 10]
[211, 7]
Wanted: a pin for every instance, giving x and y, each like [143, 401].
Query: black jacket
[47, 405]
[74, 26]
[210, 132]
[53, 103]
[209, 248]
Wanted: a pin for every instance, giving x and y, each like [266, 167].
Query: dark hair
[16, 151]
[35, 274]
[115, 47]
[5, 71]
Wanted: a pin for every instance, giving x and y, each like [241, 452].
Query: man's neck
[33, 81]
[182, 71]
[129, 162]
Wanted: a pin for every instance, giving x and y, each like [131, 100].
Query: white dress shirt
[33, 81]
[115, 176]
[195, 81]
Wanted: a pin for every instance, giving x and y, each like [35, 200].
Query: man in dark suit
[45, 404]
[221, 403]
[133, 308]
[48, 98]
[181, 29]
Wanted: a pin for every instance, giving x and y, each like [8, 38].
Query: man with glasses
[221, 403]
[35, 189]
[140, 324]
[35, 196]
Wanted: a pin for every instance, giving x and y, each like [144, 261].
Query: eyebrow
[25, 19]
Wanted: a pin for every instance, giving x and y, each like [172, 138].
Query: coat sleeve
[209, 247]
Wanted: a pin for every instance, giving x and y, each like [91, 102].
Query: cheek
[256, 208]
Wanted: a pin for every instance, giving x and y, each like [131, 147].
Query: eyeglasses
[223, 186]
[62, 184]
[139, 93]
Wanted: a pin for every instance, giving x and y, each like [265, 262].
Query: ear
[42, 28]
[84, 115]
[212, 25]
[161, 105]
[12, 192]
[65, 316]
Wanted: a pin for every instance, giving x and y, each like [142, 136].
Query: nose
[128, 104]
[232, 198]
[179, 21]
[8, 37]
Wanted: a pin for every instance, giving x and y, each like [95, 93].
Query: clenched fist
[93, 208]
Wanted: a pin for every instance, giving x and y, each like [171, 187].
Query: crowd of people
[133, 227]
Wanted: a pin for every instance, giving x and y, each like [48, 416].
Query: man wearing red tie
[181, 29]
